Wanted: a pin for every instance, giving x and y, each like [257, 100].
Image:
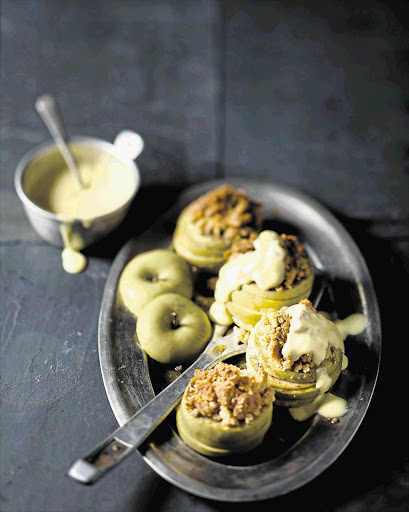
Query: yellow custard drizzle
[265, 266]
[326, 404]
[107, 187]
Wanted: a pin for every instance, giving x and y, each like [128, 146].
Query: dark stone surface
[313, 94]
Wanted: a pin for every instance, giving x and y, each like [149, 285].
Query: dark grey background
[309, 93]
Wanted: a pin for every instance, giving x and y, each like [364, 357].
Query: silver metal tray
[293, 453]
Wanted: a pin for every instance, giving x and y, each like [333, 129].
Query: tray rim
[149, 451]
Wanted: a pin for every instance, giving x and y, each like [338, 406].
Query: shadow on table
[151, 202]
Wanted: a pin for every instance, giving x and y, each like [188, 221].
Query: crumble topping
[228, 395]
[226, 213]
[241, 334]
[297, 263]
[273, 336]
[241, 246]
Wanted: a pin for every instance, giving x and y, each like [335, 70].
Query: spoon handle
[136, 430]
[47, 108]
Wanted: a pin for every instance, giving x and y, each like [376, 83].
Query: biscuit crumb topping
[273, 336]
[297, 263]
[226, 213]
[227, 395]
[241, 334]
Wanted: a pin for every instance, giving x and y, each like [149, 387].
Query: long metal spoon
[135, 431]
[48, 110]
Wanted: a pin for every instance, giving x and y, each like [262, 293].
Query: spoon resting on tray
[136, 430]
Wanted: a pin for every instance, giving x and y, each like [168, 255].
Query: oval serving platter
[293, 453]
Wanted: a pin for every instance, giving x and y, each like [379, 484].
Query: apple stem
[175, 323]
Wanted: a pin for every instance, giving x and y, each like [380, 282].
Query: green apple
[292, 389]
[254, 302]
[205, 252]
[210, 438]
[153, 273]
[181, 238]
[257, 302]
[189, 235]
[246, 304]
[289, 397]
[173, 329]
[204, 258]
[209, 263]
[286, 394]
[240, 323]
[247, 316]
[187, 226]
[303, 289]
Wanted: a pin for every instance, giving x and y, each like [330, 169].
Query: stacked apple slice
[292, 388]
[246, 304]
[211, 439]
[207, 420]
[271, 272]
[202, 251]
[208, 226]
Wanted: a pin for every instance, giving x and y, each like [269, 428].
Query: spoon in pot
[48, 110]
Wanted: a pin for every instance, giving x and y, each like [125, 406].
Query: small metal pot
[125, 149]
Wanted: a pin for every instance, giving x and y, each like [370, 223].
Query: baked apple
[274, 271]
[225, 410]
[300, 350]
[207, 227]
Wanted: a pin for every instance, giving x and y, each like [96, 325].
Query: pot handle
[129, 143]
